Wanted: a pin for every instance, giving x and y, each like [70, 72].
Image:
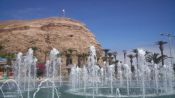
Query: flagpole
[63, 12]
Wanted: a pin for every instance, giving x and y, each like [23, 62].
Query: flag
[63, 10]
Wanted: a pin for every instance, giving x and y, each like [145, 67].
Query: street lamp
[170, 36]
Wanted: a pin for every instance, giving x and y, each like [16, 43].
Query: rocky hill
[44, 34]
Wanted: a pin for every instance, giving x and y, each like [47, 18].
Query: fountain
[54, 89]
[91, 81]
[11, 85]
[151, 81]
[25, 80]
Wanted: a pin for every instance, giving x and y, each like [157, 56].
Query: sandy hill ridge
[57, 32]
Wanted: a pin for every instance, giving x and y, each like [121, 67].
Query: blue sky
[117, 24]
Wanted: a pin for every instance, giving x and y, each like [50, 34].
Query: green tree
[34, 50]
[110, 58]
[10, 57]
[79, 60]
[84, 57]
[105, 58]
[1, 48]
[155, 58]
[69, 59]
[161, 47]
[115, 56]
[131, 57]
[124, 55]
[136, 55]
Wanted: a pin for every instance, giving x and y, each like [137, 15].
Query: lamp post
[170, 36]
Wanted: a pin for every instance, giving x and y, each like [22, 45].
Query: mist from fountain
[53, 67]
[8, 82]
[150, 80]
[53, 86]
[92, 80]
[25, 72]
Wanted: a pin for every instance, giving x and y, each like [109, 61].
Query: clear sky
[117, 24]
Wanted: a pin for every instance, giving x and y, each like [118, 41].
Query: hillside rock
[44, 34]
